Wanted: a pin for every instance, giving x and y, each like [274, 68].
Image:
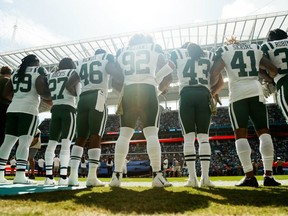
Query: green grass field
[152, 201]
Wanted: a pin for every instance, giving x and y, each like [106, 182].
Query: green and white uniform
[91, 109]
[194, 83]
[242, 67]
[22, 120]
[277, 52]
[139, 64]
[63, 118]
[22, 113]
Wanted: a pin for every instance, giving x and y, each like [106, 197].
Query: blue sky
[42, 22]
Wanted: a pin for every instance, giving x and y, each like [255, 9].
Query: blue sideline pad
[18, 189]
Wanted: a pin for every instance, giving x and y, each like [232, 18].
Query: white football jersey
[139, 63]
[242, 67]
[93, 74]
[277, 52]
[192, 73]
[25, 98]
[57, 86]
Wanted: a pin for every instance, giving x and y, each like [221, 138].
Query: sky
[44, 22]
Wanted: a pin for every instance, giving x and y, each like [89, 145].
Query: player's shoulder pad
[110, 57]
[42, 71]
[158, 48]
[221, 50]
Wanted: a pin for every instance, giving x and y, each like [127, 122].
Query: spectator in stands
[27, 86]
[125, 167]
[63, 120]
[176, 168]
[93, 73]
[109, 165]
[140, 100]
[5, 75]
[193, 70]
[279, 163]
[56, 166]
[41, 163]
[165, 166]
[246, 100]
[275, 49]
[83, 167]
[33, 149]
[12, 165]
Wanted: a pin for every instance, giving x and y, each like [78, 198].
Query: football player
[193, 71]
[276, 49]
[63, 120]
[246, 100]
[146, 73]
[27, 86]
[93, 73]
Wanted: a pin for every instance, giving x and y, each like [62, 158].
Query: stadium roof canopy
[209, 35]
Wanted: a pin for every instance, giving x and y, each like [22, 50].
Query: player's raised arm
[164, 73]
[216, 79]
[271, 68]
[42, 86]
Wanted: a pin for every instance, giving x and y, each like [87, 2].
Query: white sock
[122, 148]
[153, 147]
[64, 156]
[204, 154]
[76, 154]
[190, 154]
[22, 155]
[94, 157]
[244, 153]
[49, 155]
[266, 149]
[5, 150]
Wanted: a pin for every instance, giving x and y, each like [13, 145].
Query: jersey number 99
[24, 86]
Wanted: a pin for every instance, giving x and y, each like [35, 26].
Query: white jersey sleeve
[242, 63]
[25, 98]
[139, 63]
[57, 85]
[277, 52]
[192, 73]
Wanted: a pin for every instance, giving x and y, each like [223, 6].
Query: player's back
[93, 74]
[192, 73]
[242, 63]
[277, 52]
[139, 63]
[57, 86]
[25, 98]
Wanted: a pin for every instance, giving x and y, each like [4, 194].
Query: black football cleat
[270, 181]
[248, 182]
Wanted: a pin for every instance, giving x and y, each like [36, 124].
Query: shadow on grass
[258, 197]
[162, 201]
